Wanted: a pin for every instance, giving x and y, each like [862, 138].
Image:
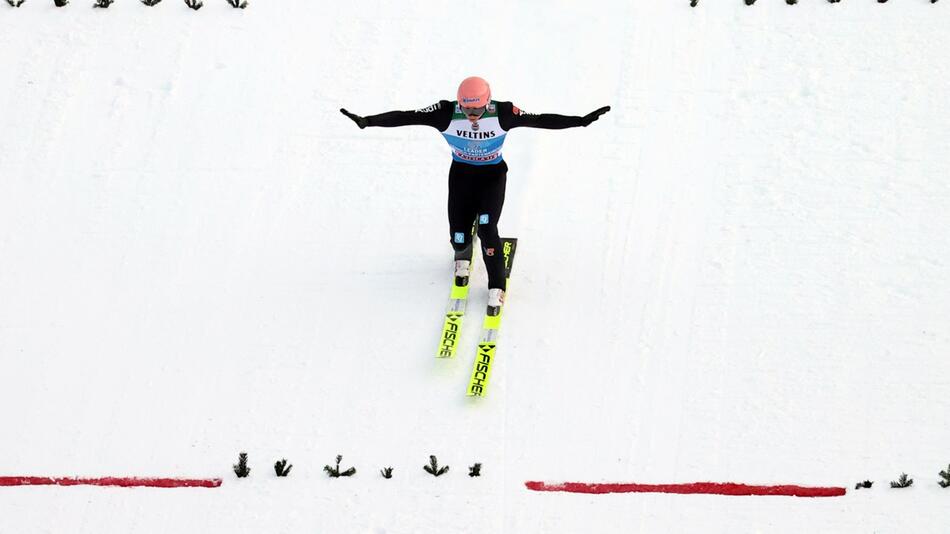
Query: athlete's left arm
[509, 116]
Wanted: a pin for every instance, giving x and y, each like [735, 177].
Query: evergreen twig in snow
[866, 484]
[103, 3]
[194, 4]
[433, 467]
[241, 469]
[387, 472]
[475, 470]
[151, 3]
[16, 3]
[945, 475]
[903, 482]
[281, 468]
[238, 3]
[60, 3]
[335, 472]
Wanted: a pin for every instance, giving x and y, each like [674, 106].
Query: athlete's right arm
[438, 115]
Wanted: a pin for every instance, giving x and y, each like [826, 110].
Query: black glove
[594, 115]
[360, 121]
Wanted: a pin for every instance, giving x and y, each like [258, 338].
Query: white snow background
[738, 274]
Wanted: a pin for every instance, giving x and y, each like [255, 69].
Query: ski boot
[462, 270]
[496, 299]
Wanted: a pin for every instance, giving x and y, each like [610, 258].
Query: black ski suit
[478, 173]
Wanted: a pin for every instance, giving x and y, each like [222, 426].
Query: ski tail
[508, 247]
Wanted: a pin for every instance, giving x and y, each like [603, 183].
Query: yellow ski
[455, 311]
[491, 325]
[452, 327]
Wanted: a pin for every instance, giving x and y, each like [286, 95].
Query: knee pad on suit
[463, 251]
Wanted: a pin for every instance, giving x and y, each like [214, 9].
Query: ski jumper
[478, 173]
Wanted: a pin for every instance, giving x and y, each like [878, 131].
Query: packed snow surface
[739, 274]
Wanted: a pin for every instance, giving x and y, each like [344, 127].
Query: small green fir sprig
[866, 485]
[241, 469]
[945, 475]
[151, 3]
[16, 3]
[194, 4]
[903, 482]
[335, 472]
[60, 3]
[387, 472]
[475, 470]
[433, 467]
[281, 468]
[103, 3]
[238, 3]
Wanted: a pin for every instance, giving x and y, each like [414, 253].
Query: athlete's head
[474, 95]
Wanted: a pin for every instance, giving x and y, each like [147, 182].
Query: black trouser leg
[461, 213]
[493, 198]
[477, 194]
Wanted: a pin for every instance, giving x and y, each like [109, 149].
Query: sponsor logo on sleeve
[433, 107]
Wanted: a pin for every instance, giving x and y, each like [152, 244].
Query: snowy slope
[739, 274]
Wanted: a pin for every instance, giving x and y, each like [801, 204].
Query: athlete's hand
[594, 115]
[360, 121]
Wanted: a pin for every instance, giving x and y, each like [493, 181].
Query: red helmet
[474, 92]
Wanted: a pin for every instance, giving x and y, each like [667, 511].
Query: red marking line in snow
[124, 482]
[707, 488]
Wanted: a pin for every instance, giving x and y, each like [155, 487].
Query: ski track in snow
[737, 275]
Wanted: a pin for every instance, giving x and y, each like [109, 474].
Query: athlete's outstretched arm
[510, 117]
[438, 115]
